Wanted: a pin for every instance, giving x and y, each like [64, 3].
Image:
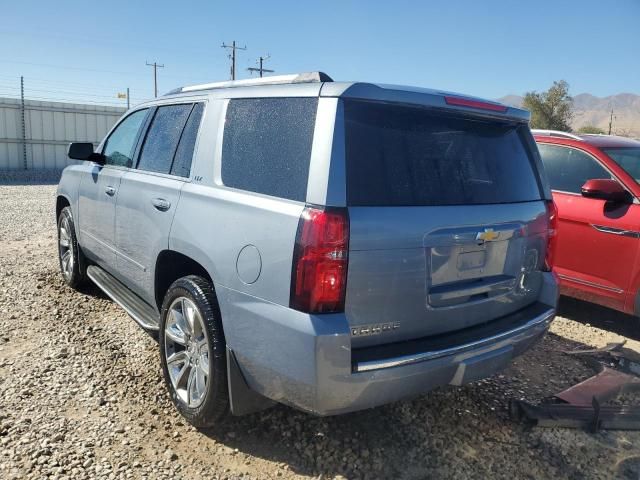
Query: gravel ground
[81, 396]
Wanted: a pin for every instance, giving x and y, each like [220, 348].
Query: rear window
[400, 155]
[267, 145]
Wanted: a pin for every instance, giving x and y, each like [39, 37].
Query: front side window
[628, 158]
[162, 138]
[267, 145]
[121, 144]
[568, 169]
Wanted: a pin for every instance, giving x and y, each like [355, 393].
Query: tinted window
[162, 138]
[267, 145]
[568, 169]
[121, 143]
[400, 155]
[628, 158]
[184, 154]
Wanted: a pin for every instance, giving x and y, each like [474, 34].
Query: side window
[121, 143]
[162, 138]
[267, 145]
[568, 168]
[184, 154]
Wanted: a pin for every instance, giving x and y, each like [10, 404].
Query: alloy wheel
[65, 248]
[187, 351]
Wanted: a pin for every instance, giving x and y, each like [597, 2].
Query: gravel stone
[81, 394]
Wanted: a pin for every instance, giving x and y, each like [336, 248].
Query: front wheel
[72, 262]
[192, 351]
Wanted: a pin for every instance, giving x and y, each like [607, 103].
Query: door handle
[161, 204]
[111, 191]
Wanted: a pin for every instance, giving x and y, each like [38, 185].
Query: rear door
[597, 241]
[149, 194]
[99, 189]
[448, 224]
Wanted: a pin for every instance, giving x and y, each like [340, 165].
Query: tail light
[319, 273]
[552, 216]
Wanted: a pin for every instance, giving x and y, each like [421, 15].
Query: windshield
[628, 158]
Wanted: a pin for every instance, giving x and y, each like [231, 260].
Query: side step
[138, 309]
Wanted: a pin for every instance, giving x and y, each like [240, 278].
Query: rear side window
[568, 169]
[267, 145]
[401, 155]
[184, 154]
[162, 138]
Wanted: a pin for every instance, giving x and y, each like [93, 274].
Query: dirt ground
[81, 396]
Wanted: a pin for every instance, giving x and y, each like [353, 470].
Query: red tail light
[319, 274]
[552, 215]
[466, 102]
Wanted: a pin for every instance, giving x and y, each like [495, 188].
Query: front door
[98, 192]
[597, 240]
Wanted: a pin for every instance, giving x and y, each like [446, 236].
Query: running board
[138, 309]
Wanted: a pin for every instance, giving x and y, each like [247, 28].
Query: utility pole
[233, 48]
[24, 125]
[128, 102]
[261, 70]
[155, 66]
[610, 121]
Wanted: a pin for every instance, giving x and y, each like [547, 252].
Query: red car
[594, 180]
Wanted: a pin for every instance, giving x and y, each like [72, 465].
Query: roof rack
[307, 77]
[555, 133]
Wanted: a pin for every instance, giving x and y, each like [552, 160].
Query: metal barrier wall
[35, 136]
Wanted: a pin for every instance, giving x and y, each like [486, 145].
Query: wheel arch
[172, 265]
[61, 202]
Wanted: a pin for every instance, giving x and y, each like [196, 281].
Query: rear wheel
[72, 261]
[192, 351]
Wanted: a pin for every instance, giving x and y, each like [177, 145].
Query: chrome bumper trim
[543, 319]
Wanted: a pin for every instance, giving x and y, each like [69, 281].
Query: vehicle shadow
[447, 433]
[600, 317]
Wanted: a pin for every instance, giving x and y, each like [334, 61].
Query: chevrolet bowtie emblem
[489, 235]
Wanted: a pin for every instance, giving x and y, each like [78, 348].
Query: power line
[66, 67]
[232, 56]
[261, 69]
[155, 66]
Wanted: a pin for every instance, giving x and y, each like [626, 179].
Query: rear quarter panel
[244, 240]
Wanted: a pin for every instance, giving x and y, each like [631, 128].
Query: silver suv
[331, 246]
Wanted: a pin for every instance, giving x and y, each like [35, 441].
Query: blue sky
[91, 50]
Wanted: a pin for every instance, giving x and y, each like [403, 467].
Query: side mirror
[84, 151]
[605, 189]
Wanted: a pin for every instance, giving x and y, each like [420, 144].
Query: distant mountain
[592, 110]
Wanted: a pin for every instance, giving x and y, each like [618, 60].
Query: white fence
[48, 128]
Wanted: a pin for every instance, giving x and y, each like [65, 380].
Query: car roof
[320, 84]
[609, 141]
[596, 140]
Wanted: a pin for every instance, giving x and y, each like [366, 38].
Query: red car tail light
[552, 216]
[319, 273]
[466, 102]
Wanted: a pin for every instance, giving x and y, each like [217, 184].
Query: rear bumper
[306, 361]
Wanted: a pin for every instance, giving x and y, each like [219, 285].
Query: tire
[201, 401]
[73, 265]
